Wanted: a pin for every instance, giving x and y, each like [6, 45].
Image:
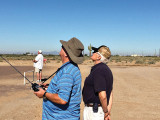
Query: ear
[99, 57]
[65, 54]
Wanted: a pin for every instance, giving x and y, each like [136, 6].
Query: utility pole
[142, 54]
[155, 53]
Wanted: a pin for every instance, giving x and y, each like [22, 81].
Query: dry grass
[146, 60]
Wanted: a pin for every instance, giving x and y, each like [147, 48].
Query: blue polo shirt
[67, 84]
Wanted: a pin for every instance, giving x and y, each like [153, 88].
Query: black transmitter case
[95, 107]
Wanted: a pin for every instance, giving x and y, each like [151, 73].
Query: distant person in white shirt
[38, 64]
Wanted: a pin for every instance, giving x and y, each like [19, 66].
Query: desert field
[136, 91]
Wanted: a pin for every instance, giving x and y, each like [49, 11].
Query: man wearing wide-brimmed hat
[63, 96]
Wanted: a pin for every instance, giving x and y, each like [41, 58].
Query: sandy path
[136, 93]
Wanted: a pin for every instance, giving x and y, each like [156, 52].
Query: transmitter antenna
[16, 70]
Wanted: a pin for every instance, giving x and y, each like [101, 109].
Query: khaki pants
[88, 114]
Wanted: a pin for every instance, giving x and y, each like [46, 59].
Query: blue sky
[125, 26]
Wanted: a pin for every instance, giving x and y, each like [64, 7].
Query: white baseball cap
[40, 51]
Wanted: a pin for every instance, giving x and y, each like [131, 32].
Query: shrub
[151, 62]
[139, 62]
[118, 60]
[58, 61]
[48, 61]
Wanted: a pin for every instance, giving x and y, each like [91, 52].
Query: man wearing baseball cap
[38, 64]
[97, 90]
[63, 97]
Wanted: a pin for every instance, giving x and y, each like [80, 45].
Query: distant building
[28, 53]
[135, 55]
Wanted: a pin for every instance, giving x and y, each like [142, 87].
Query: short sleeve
[99, 80]
[65, 86]
[37, 58]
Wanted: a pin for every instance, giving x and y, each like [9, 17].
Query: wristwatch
[44, 95]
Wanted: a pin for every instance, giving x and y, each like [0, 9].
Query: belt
[91, 105]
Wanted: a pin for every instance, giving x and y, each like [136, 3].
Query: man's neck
[97, 62]
[64, 61]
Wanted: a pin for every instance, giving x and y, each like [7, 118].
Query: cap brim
[95, 49]
[75, 59]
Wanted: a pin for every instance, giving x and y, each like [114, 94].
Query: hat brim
[74, 58]
[95, 49]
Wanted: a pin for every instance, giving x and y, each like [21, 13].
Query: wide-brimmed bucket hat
[74, 49]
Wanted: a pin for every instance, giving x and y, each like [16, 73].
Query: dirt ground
[136, 93]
